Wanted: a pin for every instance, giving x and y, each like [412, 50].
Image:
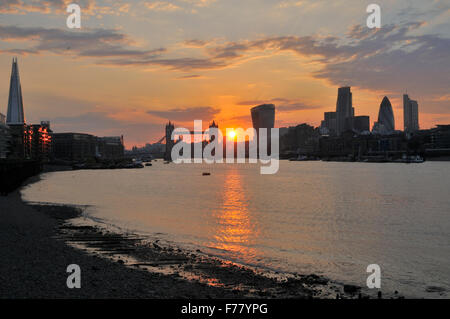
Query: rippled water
[311, 217]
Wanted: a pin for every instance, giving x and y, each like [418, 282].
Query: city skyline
[264, 115]
[116, 77]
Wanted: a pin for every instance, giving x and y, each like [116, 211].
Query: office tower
[15, 115]
[328, 126]
[386, 123]
[410, 114]
[263, 116]
[344, 109]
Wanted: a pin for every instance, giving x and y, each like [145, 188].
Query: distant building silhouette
[440, 138]
[5, 137]
[213, 125]
[344, 110]
[110, 147]
[344, 119]
[302, 139]
[361, 123]
[40, 141]
[386, 122]
[328, 125]
[410, 115]
[74, 146]
[263, 116]
[25, 141]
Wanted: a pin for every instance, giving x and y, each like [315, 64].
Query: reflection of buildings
[40, 141]
[410, 115]
[386, 123]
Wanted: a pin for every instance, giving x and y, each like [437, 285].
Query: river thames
[328, 218]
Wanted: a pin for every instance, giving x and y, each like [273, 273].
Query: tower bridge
[170, 127]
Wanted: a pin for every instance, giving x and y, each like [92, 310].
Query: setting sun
[232, 134]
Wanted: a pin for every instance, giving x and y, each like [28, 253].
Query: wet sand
[38, 242]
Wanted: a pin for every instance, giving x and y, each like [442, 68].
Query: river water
[327, 218]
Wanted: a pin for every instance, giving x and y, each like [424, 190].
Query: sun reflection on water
[235, 231]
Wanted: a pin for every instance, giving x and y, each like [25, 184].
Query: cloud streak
[390, 60]
[364, 58]
[43, 6]
[204, 113]
[283, 105]
[97, 43]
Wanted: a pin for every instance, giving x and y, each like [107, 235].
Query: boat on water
[410, 159]
[300, 158]
[206, 174]
[405, 159]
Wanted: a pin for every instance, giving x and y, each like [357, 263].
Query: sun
[232, 134]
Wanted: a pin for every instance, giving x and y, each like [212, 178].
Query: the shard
[15, 114]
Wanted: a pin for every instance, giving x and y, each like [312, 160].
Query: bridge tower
[169, 142]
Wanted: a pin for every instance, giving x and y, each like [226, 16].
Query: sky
[136, 64]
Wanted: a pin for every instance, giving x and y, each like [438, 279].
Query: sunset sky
[136, 64]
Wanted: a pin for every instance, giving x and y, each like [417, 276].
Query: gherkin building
[386, 115]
